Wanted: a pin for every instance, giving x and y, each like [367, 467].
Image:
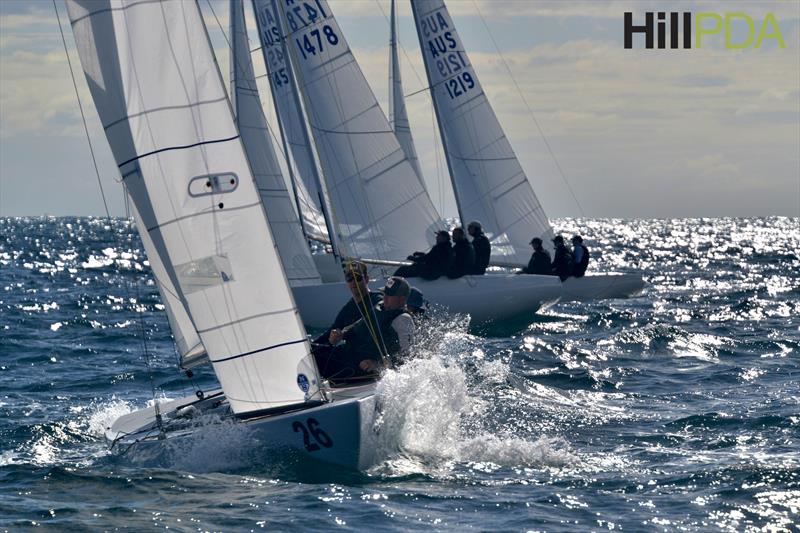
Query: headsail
[283, 221]
[398, 118]
[489, 182]
[380, 206]
[292, 122]
[162, 102]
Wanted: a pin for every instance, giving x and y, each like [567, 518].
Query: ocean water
[678, 410]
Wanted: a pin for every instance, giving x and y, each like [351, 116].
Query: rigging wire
[139, 314]
[530, 111]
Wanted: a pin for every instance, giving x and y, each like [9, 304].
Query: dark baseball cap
[396, 286]
[558, 238]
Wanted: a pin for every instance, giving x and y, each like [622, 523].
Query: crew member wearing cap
[483, 249]
[540, 260]
[370, 343]
[363, 301]
[432, 265]
[581, 255]
[562, 260]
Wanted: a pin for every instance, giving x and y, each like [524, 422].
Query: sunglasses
[349, 278]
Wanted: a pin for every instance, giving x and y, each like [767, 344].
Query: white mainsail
[398, 118]
[381, 209]
[162, 102]
[489, 182]
[283, 221]
[292, 122]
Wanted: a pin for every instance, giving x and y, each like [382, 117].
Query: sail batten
[195, 201]
[489, 183]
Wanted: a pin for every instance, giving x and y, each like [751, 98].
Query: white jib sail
[398, 118]
[489, 182]
[381, 209]
[284, 222]
[190, 348]
[162, 102]
[292, 123]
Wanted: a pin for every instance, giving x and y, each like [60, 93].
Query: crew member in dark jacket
[463, 255]
[363, 301]
[562, 260]
[483, 249]
[540, 260]
[580, 254]
[432, 265]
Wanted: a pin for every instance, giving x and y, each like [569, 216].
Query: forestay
[398, 118]
[381, 209]
[162, 103]
[292, 122]
[489, 182]
[283, 221]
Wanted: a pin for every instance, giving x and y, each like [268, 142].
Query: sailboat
[487, 179]
[373, 198]
[163, 105]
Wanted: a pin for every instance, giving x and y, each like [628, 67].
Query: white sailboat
[168, 120]
[488, 180]
[378, 207]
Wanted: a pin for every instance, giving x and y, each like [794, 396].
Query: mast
[459, 204]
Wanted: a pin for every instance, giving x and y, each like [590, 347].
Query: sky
[601, 131]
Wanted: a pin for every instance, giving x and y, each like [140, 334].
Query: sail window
[204, 273]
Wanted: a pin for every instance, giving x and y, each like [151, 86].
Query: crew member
[430, 265]
[463, 255]
[580, 254]
[562, 260]
[540, 260]
[483, 249]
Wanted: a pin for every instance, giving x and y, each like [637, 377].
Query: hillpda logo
[739, 29]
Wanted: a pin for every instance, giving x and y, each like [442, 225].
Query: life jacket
[360, 341]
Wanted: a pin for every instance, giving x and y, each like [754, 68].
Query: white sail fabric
[162, 102]
[292, 122]
[381, 209]
[283, 221]
[190, 348]
[489, 182]
[398, 118]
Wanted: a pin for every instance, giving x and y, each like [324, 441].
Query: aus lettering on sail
[449, 58]
[270, 40]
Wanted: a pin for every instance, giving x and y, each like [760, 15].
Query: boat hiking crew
[431, 265]
[540, 260]
[377, 338]
[483, 249]
[581, 256]
[463, 255]
[566, 263]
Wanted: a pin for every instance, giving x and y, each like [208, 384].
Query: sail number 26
[313, 435]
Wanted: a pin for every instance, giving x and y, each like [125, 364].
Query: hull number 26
[313, 436]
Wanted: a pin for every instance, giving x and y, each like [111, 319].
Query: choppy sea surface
[677, 410]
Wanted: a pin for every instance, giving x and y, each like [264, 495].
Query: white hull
[489, 298]
[601, 286]
[339, 432]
